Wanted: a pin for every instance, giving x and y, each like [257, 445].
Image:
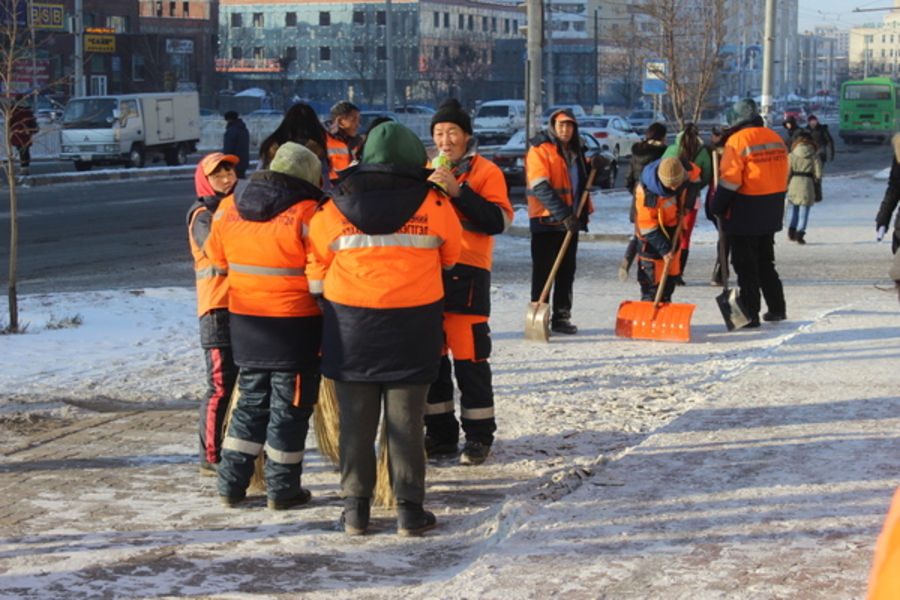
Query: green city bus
[869, 110]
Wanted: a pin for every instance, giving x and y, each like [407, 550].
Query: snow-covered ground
[752, 464]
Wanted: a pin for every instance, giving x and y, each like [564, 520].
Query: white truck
[497, 120]
[130, 129]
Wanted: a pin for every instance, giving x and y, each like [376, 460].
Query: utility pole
[768, 59]
[78, 30]
[533, 43]
[389, 43]
[551, 95]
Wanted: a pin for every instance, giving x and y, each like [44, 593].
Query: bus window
[867, 92]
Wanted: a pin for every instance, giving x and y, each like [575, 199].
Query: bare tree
[688, 35]
[18, 49]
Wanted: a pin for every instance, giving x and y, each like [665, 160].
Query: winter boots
[792, 234]
[412, 519]
[355, 517]
[798, 237]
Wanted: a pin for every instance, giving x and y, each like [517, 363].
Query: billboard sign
[654, 76]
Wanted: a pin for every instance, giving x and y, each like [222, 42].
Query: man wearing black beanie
[477, 189]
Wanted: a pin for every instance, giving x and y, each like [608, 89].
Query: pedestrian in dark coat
[891, 198]
[791, 129]
[237, 142]
[22, 126]
[822, 137]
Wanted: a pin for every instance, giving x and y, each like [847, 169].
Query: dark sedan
[511, 160]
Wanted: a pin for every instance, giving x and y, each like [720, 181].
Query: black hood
[210, 203]
[379, 199]
[270, 193]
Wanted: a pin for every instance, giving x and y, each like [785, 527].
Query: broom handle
[723, 241]
[565, 245]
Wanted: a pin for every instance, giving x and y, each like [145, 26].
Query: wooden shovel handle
[565, 245]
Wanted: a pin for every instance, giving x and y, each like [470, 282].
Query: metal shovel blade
[537, 322]
[642, 321]
[732, 309]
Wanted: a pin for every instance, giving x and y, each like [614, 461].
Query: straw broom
[327, 422]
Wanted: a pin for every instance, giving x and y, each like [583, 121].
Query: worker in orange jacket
[214, 179]
[342, 140]
[276, 325]
[659, 204]
[556, 175]
[477, 189]
[377, 251]
[753, 174]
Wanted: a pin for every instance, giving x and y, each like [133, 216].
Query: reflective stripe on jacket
[545, 165]
[339, 155]
[212, 282]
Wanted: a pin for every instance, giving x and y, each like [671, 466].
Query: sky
[839, 13]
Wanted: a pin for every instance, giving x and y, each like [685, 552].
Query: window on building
[883, 38]
[462, 21]
[237, 20]
[259, 52]
[437, 19]
[484, 23]
[158, 10]
[359, 17]
[137, 67]
[471, 23]
[505, 25]
[290, 19]
[578, 25]
[290, 53]
[98, 63]
[186, 9]
[90, 19]
[494, 24]
[324, 53]
[237, 52]
[446, 20]
[380, 17]
[118, 24]
[259, 20]
[172, 8]
[381, 53]
[324, 19]
[358, 52]
[515, 26]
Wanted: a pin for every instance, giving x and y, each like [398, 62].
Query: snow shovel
[655, 320]
[537, 319]
[729, 300]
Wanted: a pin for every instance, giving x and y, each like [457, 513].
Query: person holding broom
[556, 175]
[659, 204]
[477, 189]
[377, 251]
[214, 179]
[276, 325]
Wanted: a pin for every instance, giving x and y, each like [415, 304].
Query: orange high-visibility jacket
[339, 155]
[265, 261]
[212, 282]
[543, 163]
[486, 180]
[753, 176]
[884, 578]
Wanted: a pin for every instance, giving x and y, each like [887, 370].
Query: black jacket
[237, 142]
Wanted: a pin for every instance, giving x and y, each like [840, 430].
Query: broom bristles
[384, 494]
[327, 422]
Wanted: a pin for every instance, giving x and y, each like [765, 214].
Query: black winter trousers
[544, 248]
[753, 258]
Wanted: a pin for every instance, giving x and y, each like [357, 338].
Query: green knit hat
[393, 143]
[298, 161]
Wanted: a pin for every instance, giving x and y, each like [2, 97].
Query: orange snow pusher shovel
[655, 320]
[537, 318]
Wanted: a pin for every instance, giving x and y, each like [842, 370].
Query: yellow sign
[99, 43]
[48, 16]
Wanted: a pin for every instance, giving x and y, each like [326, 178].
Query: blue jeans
[799, 217]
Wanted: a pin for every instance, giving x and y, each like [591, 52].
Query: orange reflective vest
[543, 163]
[339, 155]
[395, 270]
[265, 261]
[753, 174]
[212, 282]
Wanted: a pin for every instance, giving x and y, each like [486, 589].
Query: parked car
[209, 113]
[615, 132]
[511, 159]
[577, 112]
[264, 112]
[640, 120]
[798, 112]
[367, 116]
[49, 107]
[414, 109]
[497, 120]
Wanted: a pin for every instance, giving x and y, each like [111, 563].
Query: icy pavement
[756, 464]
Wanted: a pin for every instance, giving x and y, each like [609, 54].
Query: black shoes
[774, 317]
[792, 234]
[232, 501]
[413, 520]
[563, 326]
[474, 453]
[355, 516]
[436, 448]
[302, 497]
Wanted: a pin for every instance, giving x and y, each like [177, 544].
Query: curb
[523, 232]
[111, 175]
